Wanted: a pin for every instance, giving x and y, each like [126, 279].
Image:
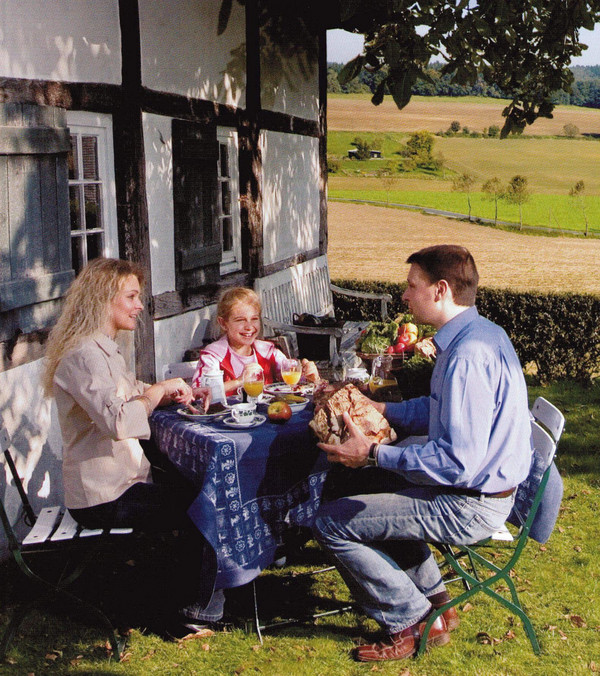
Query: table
[252, 485]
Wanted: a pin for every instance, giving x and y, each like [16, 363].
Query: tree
[570, 130]
[577, 192]
[454, 126]
[362, 148]
[387, 175]
[464, 183]
[420, 143]
[524, 48]
[493, 131]
[494, 191]
[517, 193]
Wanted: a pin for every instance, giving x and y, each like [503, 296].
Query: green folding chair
[547, 426]
[52, 530]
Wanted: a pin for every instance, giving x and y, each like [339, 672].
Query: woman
[103, 412]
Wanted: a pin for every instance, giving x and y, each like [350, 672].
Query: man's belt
[470, 491]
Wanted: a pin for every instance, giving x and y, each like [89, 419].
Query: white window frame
[231, 260]
[100, 126]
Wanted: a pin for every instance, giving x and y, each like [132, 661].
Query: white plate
[202, 417]
[284, 388]
[296, 406]
[259, 419]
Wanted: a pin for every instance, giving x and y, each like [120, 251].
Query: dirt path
[372, 243]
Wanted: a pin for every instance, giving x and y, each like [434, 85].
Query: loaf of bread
[328, 423]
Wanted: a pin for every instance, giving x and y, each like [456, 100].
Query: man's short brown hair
[454, 264]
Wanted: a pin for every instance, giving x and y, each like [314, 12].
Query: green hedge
[555, 335]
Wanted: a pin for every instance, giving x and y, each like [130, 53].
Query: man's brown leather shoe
[450, 617]
[404, 643]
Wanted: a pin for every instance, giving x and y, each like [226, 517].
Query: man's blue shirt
[476, 417]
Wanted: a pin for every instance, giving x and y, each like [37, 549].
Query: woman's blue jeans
[378, 542]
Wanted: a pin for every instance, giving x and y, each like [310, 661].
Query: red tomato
[399, 347]
[389, 350]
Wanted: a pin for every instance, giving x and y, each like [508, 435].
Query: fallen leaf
[485, 639]
[562, 635]
[125, 657]
[543, 548]
[10, 660]
[255, 648]
[406, 672]
[593, 666]
[577, 621]
[374, 668]
[561, 529]
[202, 633]
[205, 647]
[577, 548]
[148, 655]
[510, 634]
[467, 607]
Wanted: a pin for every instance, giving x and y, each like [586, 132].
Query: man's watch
[372, 457]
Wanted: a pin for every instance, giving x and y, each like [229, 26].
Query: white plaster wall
[174, 335]
[68, 40]
[182, 53]
[159, 190]
[290, 84]
[32, 423]
[290, 194]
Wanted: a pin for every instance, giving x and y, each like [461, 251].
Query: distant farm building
[353, 152]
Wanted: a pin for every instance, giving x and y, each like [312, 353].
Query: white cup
[243, 413]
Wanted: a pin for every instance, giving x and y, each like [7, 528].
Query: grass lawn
[545, 210]
[559, 585]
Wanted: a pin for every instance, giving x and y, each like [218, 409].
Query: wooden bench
[306, 288]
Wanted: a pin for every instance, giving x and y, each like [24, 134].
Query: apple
[279, 412]
[399, 347]
[389, 350]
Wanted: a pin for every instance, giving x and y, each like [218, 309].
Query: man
[458, 487]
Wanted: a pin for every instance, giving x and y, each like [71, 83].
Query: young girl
[239, 318]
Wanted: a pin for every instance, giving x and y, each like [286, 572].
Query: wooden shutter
[198, 247]
[35, 246]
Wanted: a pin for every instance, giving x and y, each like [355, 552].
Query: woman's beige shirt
[100, 423]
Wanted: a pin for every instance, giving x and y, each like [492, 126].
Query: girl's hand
[202, 394]
[310, 371]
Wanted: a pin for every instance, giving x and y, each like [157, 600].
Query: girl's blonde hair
[85, 310]
[237, 294]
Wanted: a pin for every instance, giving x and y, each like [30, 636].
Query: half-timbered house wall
[152, 95]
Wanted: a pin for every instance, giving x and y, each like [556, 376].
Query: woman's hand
[310, 371]
[354, 451]
[176, 390]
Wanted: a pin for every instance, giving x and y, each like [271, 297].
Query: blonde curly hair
[85, 309]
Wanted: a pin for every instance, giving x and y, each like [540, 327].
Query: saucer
[258, 419]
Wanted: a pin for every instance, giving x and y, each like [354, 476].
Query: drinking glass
[253, 379]
[291, 371]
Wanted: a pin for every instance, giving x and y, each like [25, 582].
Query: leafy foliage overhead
[522, 46]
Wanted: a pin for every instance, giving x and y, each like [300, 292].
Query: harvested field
[357, 113]
[372, 243]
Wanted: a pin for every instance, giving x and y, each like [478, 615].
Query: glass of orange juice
[253, 380]
[291, 371]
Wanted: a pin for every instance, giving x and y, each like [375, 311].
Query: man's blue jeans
[378, 542]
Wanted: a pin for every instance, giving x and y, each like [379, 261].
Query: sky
[343, 46]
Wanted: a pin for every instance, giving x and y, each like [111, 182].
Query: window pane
[227, 234]
[77, 255]
[95, 246]
[89, 154]
[224, 159]
[225, 198]
[93, 207]
[75, 207]
[72, 159]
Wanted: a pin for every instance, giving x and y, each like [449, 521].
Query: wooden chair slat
[44, 526]
[67, 529]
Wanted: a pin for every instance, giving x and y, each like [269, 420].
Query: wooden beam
[323, 142]
[130, 178]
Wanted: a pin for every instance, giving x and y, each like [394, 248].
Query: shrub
[493, 131]
[570, 130]
[333, 166]
[556, 336]
[454, 126]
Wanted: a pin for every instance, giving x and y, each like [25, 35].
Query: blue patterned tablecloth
[252, 485]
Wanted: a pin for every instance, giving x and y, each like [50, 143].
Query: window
[92, 204]
[206, 204]
[228, 200]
